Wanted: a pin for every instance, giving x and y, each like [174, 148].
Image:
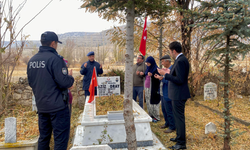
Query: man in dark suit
[178, 91]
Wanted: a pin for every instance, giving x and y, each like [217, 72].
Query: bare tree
[10, 51]
[68, 51]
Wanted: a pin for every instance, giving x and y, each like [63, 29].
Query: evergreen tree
[110, 9]
[230, 20]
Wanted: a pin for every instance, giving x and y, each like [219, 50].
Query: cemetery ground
[196, 119]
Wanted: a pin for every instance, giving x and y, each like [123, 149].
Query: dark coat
[87, 72]
[155, 89]
[48, 77]
[155, 83]
[178, 79]
[165, 88]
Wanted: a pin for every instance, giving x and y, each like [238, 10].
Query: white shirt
[178, 56]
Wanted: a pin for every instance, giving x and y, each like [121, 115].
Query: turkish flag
[92, 86]
[144, 39]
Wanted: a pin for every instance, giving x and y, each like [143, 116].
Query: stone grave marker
[10, 130]
[108, 86]
[210, 127]
[34, 108]
[210, 91]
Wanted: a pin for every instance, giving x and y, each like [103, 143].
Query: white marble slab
[90, 131]
[10, 130]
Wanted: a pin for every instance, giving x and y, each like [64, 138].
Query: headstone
[10, 130]
[210, 91]
[34, 108]
[239, 96]
[108, 86]
[210, 127]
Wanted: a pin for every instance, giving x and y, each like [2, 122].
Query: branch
[152, 35]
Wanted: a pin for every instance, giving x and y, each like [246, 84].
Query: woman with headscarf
[152, 91]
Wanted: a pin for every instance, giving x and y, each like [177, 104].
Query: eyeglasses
[139, 58]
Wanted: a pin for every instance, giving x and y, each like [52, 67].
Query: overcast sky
[60, 16]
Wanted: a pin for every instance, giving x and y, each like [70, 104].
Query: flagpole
[97, 90]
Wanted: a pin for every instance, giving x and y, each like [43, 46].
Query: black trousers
[59, 123]
[179, 117]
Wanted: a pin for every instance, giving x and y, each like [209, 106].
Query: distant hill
[86, 39]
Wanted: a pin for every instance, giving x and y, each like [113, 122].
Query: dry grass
[196, 119]
[240, 107]
[27, 122]
[109, 103]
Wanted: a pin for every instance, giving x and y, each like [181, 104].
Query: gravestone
[210, 91]
[10, 130]
[108, 86]
[210, 127]
[34, 108]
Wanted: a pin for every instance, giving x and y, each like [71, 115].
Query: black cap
[49, 36]
[165, 57]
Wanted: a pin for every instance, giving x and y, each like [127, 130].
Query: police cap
[49, 36]
[90, 53]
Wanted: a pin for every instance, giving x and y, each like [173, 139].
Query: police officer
[87, 70]
[49, 79]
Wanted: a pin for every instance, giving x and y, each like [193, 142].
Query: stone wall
[22, 93]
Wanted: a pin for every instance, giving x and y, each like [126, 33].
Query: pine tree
[110, 9]
[230, 19]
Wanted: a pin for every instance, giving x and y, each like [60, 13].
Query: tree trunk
[1, 82]
[160, 41]
[127, 104]
[1, 65]
[226, 101]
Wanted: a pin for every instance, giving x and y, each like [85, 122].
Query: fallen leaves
[196, 119]
[109, 103]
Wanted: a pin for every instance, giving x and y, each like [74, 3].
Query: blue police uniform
[48, 77]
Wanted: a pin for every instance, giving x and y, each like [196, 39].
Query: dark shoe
[164, 126]
[155, 120]
[178, 147]
[173, 140]
[168, 131]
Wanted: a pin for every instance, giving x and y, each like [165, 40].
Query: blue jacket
[48, 77]
[87, 72]
[165, 88]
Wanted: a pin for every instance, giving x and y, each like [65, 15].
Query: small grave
[210, 128]
[210, 91]
[11, 142]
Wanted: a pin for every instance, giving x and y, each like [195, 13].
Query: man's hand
[158, 77]
[163, 71]
[85, 65]
[149, 74]
[70, 72]
[137, 72]
[100, 66]
[141, 73]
